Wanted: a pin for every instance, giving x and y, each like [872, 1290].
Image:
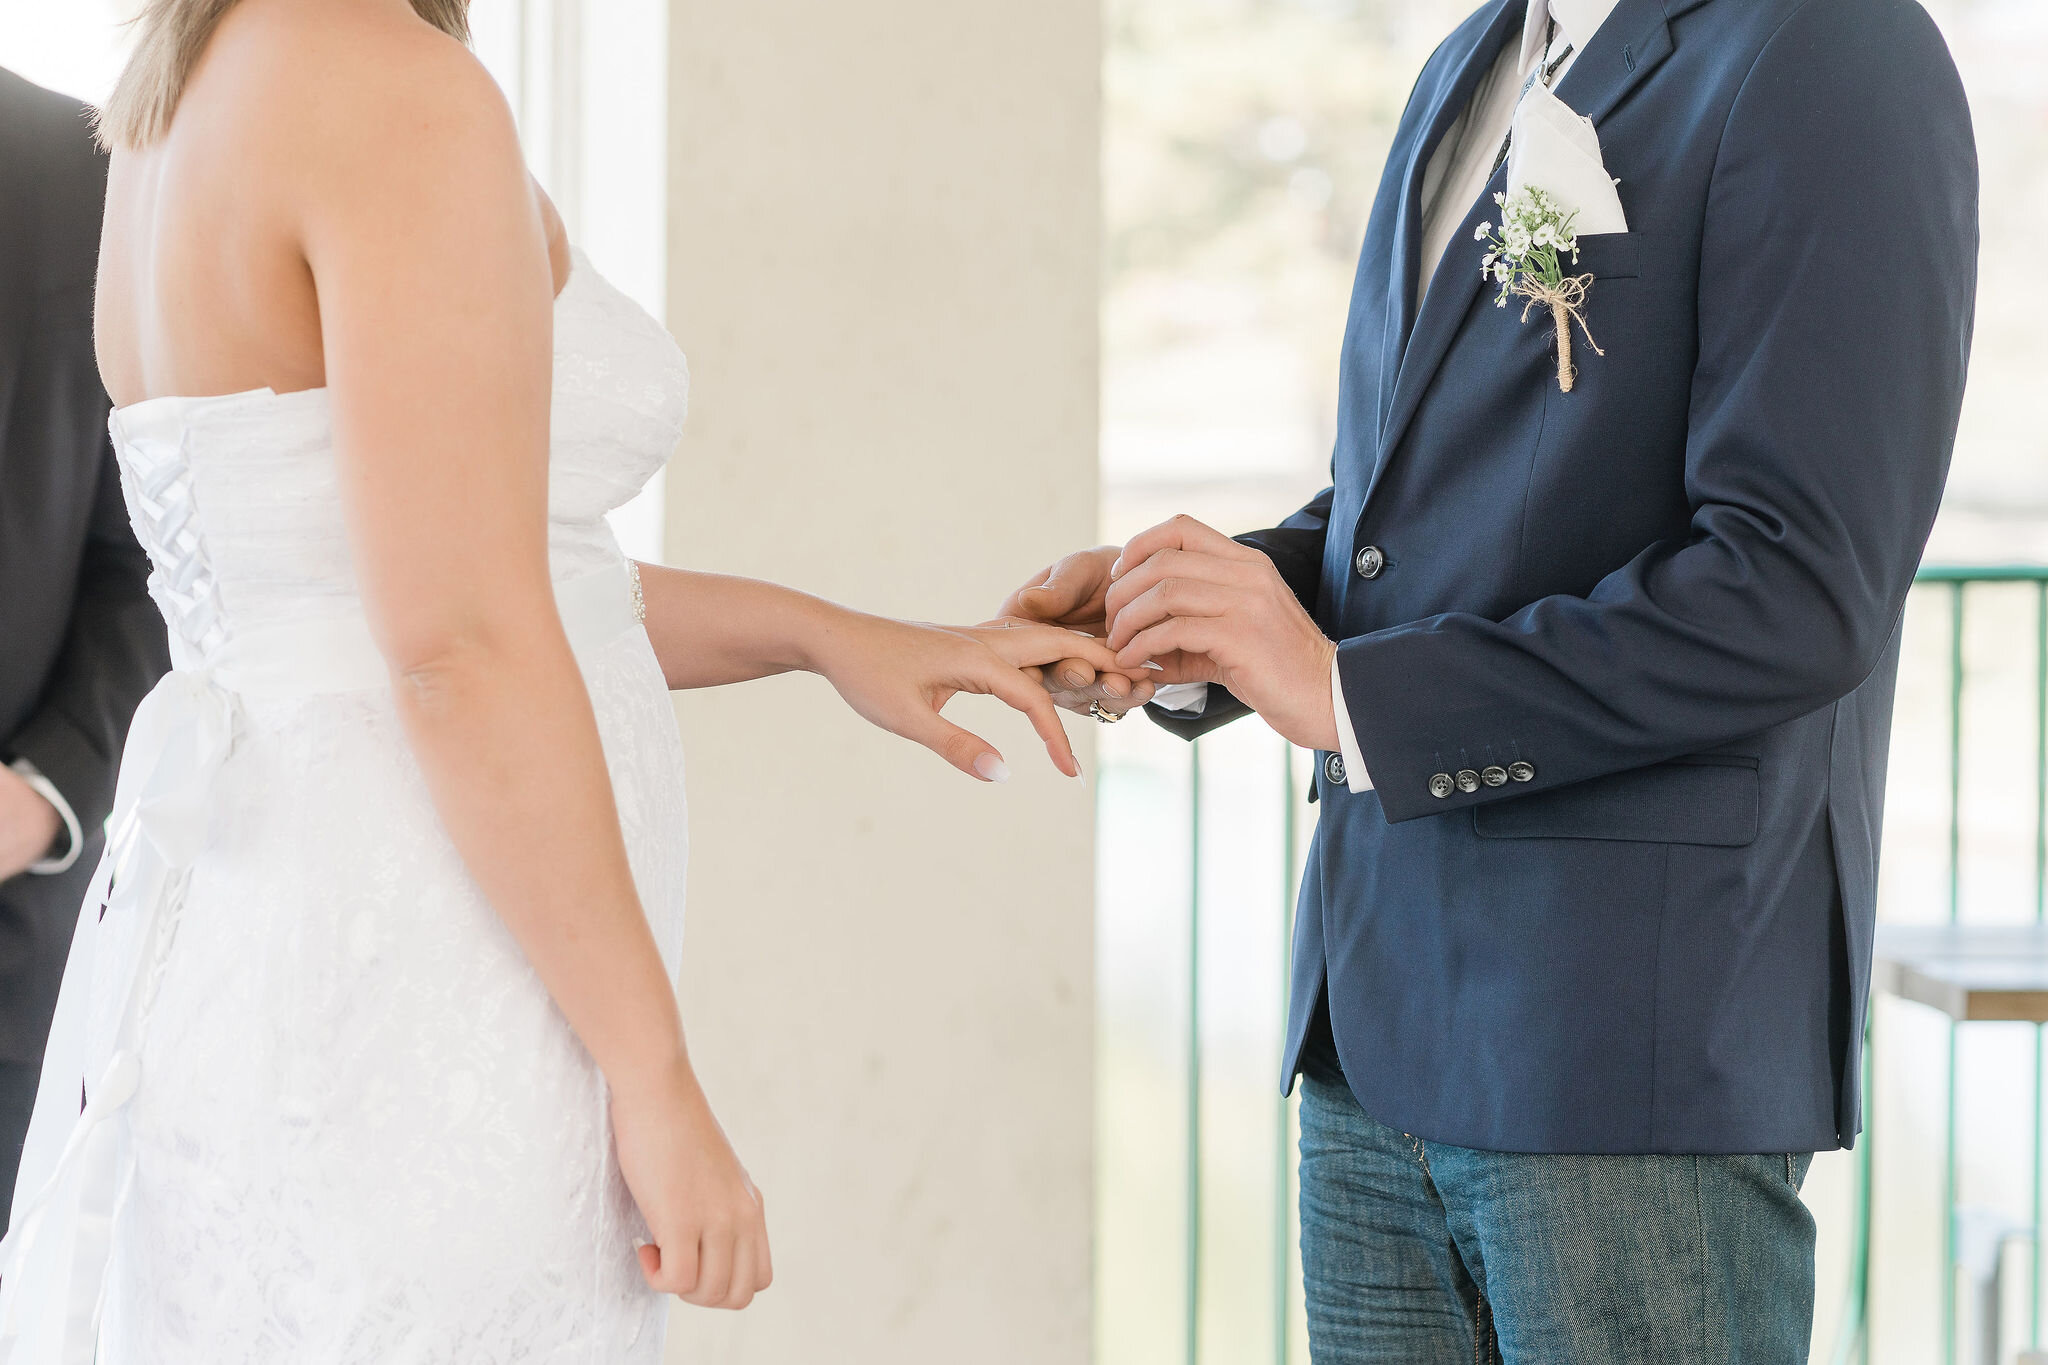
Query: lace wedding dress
[331, 1113]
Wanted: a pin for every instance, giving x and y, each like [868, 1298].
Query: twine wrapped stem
[1566, 301]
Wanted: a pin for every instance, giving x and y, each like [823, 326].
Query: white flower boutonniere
[1525, 256]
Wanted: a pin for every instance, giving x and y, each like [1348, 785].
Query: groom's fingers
[1074, 673]
[1181, 533]
[1188, 634]
[1060, 592]
[1030, 602]
[1169, 564]
[1034, 591]
[1168, 597]
[1051, 600]
[1134, 686]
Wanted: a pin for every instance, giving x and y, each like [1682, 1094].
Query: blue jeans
[1418, 1253]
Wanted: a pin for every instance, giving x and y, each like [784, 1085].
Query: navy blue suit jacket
[1672, 596]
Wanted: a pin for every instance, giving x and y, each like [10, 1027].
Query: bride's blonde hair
[170, 36]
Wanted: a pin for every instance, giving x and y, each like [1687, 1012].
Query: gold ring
[1104, 714]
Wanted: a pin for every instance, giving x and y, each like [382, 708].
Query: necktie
[1545, 72]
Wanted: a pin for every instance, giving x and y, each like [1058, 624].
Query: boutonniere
[1525, 256]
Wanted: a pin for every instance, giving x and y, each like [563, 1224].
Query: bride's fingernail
[992, 769]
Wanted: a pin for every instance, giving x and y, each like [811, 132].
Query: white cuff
[1190, 699]
[1355, 775]
[43, 787]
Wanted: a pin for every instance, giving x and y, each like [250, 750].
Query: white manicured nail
[992, 769]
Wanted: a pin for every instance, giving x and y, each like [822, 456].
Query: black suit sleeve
[114, 651]
[114, 646]
[1836, 295]
[1296, 549]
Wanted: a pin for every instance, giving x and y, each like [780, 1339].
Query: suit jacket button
[1441, 786]
[1468, 781]
[1522, 772]
[1333, 768]
[1496, 776]
[1370, 561]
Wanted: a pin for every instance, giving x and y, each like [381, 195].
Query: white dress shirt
[1458, 172]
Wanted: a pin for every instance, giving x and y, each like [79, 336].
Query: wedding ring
[1104, 714]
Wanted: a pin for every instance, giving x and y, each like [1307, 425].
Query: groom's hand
[1204, 606]
[1070, 594]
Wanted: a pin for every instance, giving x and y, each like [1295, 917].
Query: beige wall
[884, 265]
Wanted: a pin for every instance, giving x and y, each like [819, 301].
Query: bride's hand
[710, 1231]
[899, 674]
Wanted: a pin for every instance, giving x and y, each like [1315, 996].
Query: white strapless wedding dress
[332, 1115]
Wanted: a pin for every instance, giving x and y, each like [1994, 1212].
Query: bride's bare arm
[709, 630]
[426, 246]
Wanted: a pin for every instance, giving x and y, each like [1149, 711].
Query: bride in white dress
[371, 1009]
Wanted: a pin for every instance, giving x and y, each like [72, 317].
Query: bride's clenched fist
[707, 1221]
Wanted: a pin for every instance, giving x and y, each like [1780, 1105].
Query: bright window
[588, 80]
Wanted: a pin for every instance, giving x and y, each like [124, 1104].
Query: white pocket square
[1558, 152]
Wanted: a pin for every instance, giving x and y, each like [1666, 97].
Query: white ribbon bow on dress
[75, 1166]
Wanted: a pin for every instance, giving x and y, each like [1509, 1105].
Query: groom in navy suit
[1601, 680]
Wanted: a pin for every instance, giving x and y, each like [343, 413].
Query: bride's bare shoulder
[341, 84]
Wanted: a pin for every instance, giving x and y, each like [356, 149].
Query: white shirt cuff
[1355, 775]
[43, 787]
[1190, 699]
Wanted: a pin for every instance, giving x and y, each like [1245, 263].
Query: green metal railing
[1853, 1337]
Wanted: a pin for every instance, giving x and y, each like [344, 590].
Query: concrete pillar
[884, 263]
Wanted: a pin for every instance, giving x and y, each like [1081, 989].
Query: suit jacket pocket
[1705, 800]
[1608, 256]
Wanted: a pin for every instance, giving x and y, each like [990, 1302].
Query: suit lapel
[1633, 42]
[1458, 76]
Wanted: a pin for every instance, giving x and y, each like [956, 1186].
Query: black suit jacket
[80, 641]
